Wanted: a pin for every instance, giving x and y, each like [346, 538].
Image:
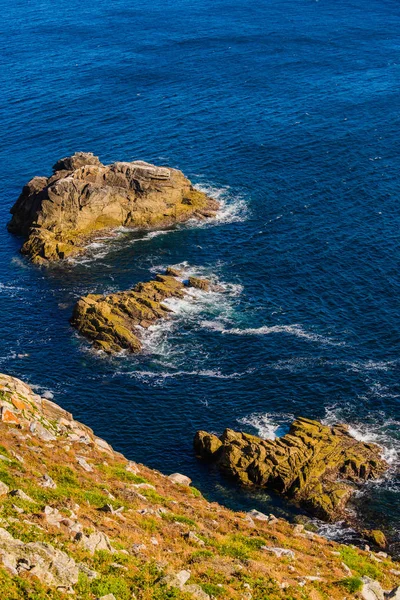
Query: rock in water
[110, 321]
[315, 465]
[60, 213]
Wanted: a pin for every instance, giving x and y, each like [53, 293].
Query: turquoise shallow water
[289, 113]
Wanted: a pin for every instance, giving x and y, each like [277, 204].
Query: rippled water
[289, 113]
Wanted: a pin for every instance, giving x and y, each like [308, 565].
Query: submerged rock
[59, 213]
[315, 465]
[110, 321]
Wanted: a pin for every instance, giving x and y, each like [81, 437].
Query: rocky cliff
[317, 466]
[58, 214]
[78, 519]
[113, 322]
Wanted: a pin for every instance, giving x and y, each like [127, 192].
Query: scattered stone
[394, 594]
[177, 580]
[90, 574]
[47, 482]
[18, 509]
[180, 479]
[192, 537]
[154, 541]
[132, 467]
[371, 590]
[256, 514]
[103, 445]
[279, 552]
[41, 432]
[108, 597]
[84, 464]
[22, 496]
[138, 548]
[196, 591]
[4, 489]
[346, 568]
[94, 541]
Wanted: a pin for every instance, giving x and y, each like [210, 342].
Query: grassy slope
[230, 560]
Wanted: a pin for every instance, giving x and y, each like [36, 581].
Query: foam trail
[295, 329]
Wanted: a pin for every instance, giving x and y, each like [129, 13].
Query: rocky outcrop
[60, 213]
[315, 465]
[112, 322]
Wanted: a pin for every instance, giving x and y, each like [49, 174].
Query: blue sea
[286, 111]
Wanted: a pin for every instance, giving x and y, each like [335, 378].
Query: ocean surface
[288, 112]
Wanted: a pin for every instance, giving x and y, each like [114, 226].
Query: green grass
[359, 563]
[351, 584]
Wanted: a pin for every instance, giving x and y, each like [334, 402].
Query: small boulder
[4, 489]
[371, 590]
[200, 284]
[180, 479]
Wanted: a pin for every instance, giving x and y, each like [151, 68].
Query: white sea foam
[268, 425]
[174, 374]
[232, 209]
[379, 430]
[295, 329]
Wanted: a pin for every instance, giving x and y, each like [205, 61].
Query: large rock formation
[111, 322]
[316, 465]
[60, 213]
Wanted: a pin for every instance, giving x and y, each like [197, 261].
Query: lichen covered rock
[316, 465]
[111, 322]
[60, 213]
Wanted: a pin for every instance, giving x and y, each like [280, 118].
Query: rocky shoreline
[61, 213]
[111, 321]
[316, 466]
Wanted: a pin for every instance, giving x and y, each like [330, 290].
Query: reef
[317, 466]
[80, 520]
[112, 322]
[61, 213]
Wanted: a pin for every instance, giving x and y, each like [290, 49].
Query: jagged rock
[58, 214]
[179, 479]
[94, 541]
[316, 465]
[394, 594]
[50, 565]
[110, 322]
[371, 590]
[200, 284]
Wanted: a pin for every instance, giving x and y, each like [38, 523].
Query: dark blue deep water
[289, 112]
